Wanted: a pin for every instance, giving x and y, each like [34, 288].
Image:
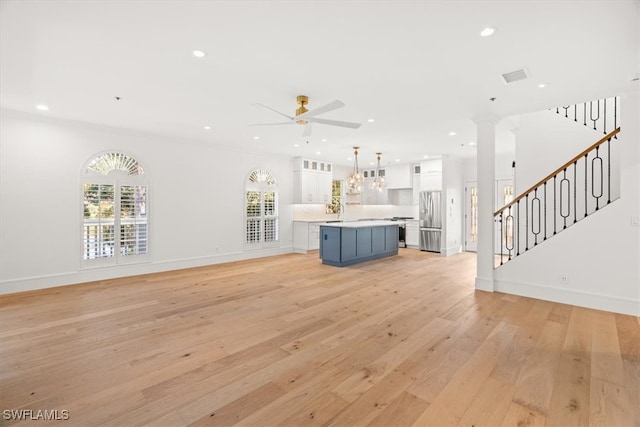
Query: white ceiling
[419, 68]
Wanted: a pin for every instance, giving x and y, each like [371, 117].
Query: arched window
[115, 211]
[261, 209]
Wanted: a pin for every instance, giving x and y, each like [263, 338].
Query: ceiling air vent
[514, 76]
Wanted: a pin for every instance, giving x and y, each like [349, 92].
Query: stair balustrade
[601, 114]
[575, 190]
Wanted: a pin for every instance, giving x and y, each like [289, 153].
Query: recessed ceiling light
[349, 158]
[487, 31]
[324, 140]
[42, 107]
[371, 120]
[207, 127]
[296, 145]
[371, 163]
[397, 160]
[318, 153]
[542, 85]
[452, 133]
[472, 144]
[256, 137]
[426, 157]
[199, 53]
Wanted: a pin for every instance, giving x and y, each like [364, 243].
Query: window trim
[268, 185]
[119, 179]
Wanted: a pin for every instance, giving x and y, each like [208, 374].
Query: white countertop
[311, 220]
[360, 224]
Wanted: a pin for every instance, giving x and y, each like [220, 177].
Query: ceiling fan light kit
[306, 117]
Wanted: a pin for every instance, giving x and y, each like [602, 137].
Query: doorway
[471, 216]
[504, 194]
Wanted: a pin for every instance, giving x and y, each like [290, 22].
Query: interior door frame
[469, 245]
[500, 183]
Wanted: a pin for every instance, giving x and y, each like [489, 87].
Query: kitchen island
[347, 243]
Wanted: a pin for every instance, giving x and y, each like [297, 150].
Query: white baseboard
[451, 250]
[112, 272]
[570, 296]
[483, 284]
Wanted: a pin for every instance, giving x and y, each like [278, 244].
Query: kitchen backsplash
[353, 212]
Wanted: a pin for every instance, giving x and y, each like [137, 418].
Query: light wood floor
[287, 341]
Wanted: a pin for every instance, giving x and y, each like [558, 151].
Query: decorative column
[486, 140]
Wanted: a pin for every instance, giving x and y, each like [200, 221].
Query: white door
[471, 216]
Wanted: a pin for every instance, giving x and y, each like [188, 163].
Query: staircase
[601, 114]
[575, 190]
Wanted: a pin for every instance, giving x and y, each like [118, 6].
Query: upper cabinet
[311, 181]
[431, 175]
[399, 176]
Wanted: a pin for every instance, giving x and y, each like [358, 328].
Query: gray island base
[347, 243]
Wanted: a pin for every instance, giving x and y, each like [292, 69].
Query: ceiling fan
[307, 117]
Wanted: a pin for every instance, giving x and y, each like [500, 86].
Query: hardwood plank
[570, 399]
[239, 409]
[536, 380]
[450, 405]
[490, 405]
[316, 412]
[401, 412]
[518, 415]
[606, 361]
[288, 341]
[382, 381]
[628, 331]
[610, 405]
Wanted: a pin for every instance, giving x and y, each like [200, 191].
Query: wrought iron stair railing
[575, 190]
[601, 114]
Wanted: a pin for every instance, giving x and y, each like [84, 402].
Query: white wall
[504, 170]
[545, 141]
[598, 255]
[196, 200]
[453, 205]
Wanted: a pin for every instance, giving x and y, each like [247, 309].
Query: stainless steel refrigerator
[430, 220]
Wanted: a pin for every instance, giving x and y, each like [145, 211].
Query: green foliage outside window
[336, 198]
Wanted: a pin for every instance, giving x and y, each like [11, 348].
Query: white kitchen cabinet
[306, 236]
[324, 187]
[398, 176]
[312, 181]
[416, 184]
[431, 175]
[412, 234]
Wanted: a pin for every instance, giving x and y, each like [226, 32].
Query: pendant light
[354, 181]
[378, 182]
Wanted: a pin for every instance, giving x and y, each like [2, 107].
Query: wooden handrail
[557, 171]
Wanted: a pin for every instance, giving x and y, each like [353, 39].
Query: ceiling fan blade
[333, 122]
[275, 111]
[324, 109]
[307, 130]
[272, 124]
